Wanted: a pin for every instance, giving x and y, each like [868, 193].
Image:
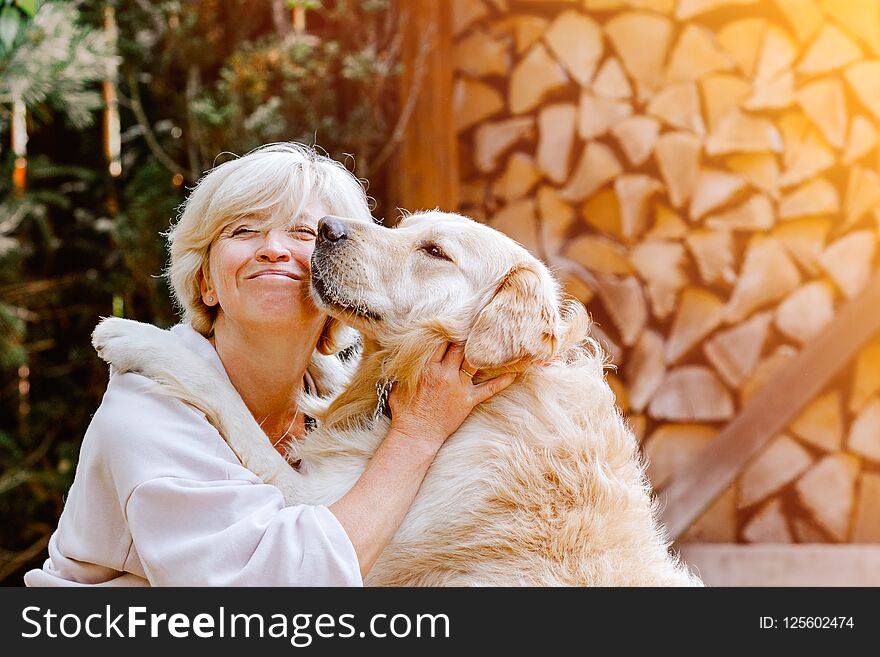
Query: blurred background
[702, 174]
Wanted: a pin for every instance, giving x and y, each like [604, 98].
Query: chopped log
[805, 156]
[866, 382]
[690, 8]
[804, 16]
[807, 531]
[804, 240]
[806, 311]
[766, 370]
[473, 102]
[699, 313]
[771, 93]
[778, 52]
[679, 105]
[641, 40]
[768, 525]
[848, 261]
[518, 179]
[556, 217]
[609, 346]
[862, 139]
[742, 39]
[678, 157]
[576, 288]
[831, 50]
[465, 13]
[722, 93]
[777, 465]
[862, 194]
[637, 136]
[821, 423]
[714, 188]
[491, 140]
[864, 80]
[824, 103]
[672, 447]
[667, 224]
[813, 198]
[734, 353]
[659, 264]
[602, 212]
[524, 28]
[765, 416]
[473, 192]
[598, 254]
[859, 17]
[596, 167]
[645, 369]
[739, 133]
[597, 114]
[535, 76]
[625, 303]
[480, 54]
[621, 395]
[633, 192]
[864, 435]
[556, 126]
[713, 252]
[717, 524]
[638, 424]
[576, 40]
[826, 492]
[691, 393]
[611, 81]
[753, 215]
[760, 169]
[867, 523]
[767, 275]
[518, 221]
[695, 55]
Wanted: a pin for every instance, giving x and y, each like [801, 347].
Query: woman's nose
[275, 247]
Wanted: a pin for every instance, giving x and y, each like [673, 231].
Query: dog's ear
[519, 324]
[335, 337]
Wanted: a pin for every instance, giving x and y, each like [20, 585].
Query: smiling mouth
[275, 274]
[333, 301]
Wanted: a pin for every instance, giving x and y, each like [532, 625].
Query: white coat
[160, 499]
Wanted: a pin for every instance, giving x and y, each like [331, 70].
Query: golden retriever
[541, 485]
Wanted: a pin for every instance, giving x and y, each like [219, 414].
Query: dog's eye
[435, 251]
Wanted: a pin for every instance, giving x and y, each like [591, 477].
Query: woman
[158, 497]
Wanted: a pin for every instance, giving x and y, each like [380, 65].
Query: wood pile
[713, 165]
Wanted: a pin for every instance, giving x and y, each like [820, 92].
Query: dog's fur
[541, 485]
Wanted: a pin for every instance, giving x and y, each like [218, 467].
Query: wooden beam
[768, 413]
[426, 171]
[767, 564]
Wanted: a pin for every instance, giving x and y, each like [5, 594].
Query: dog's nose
[331, 228]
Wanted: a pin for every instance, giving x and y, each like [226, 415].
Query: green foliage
[196, 78]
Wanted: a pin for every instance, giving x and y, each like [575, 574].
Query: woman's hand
[445, 395]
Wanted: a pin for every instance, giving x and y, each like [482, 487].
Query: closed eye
[434, 251]
[242, 230]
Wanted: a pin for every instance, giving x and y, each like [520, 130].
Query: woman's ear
[209, 296]
[520, 324]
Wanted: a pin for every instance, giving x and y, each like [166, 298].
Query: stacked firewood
[711, 169]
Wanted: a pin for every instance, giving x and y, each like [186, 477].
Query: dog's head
[441, 273]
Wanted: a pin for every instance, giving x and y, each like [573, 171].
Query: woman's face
[261, 274]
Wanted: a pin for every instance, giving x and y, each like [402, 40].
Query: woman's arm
[373, 509]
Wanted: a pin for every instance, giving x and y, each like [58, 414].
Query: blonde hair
[276, 181]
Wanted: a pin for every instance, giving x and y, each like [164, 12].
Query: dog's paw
[125, 343]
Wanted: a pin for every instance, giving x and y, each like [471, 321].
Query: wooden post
[427, 158]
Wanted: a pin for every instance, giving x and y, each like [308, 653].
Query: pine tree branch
[149, 136]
